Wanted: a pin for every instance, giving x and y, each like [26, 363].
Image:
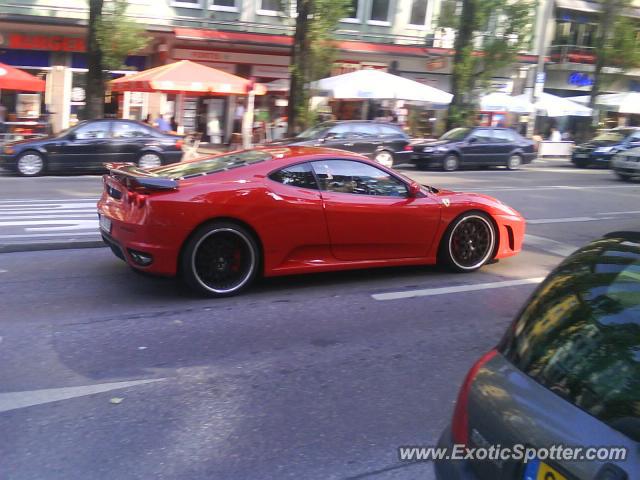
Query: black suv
[385, 143]
[480, 146]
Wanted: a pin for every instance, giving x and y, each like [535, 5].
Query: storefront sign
[347, 67]
[579, 79]
[229, 57]
[435, 64]
[267, 71]
[53, 43]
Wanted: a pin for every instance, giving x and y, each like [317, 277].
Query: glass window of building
[380, 11]
[187, 3]
[418, 12]
[269, 7]
[353, 12]
[224, 5]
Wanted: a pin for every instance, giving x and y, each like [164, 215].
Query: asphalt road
[107, 374]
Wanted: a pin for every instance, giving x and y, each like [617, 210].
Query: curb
[40, 246]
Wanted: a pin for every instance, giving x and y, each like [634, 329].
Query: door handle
[349, 144]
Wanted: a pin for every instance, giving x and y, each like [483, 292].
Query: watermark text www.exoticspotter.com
[517, 452]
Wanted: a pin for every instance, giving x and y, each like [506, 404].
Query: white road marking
[78, 224]
[428, 292]
[49, 216]
[3, 271]
[549, 245]
[17, 400]
[56, 201]
[40, 235]
[599, 217]
[546, 187]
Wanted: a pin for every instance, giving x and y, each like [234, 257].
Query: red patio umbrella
[13, 79]
[185, 77]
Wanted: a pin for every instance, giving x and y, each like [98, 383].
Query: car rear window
[579, 335]
[212, 165]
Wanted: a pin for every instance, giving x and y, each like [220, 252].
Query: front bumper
[427, 159]
[7, 162]
[452, 469]
[626, 166]
[401, 157]
[594, 158]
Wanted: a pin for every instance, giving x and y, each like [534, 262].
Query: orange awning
[13, 79]
[185, 77]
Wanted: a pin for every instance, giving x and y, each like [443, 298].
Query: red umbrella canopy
[13, 79]
[184, 77]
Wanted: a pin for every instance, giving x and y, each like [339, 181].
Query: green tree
[312, 54]
[616, 43]
[489, 36]
[111, 37]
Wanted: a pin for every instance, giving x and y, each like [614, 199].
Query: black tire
[451, 162]
[236, 264]
[459, 251]
[30, 164]
[148, 160]
[514, 162]
[624, 178]
[581, 163]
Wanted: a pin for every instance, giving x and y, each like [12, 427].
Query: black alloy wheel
[469, 242]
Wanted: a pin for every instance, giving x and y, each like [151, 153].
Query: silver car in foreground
[626, 165]
[566, 373]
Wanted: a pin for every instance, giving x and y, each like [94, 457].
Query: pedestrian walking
[162, 125]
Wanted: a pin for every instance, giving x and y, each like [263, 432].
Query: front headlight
[442, 149]
[605, 149]
[427, 149]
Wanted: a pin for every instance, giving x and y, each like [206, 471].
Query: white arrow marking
[16, 400]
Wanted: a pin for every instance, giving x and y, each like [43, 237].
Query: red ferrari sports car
[221, 221]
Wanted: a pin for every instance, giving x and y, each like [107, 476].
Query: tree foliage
[111, 37]
[119, 35]
[489, 35]
[616, 43]
[313, 53]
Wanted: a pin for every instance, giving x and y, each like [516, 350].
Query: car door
[129, 138]
[369, 214]
[366, 139]
[478, 147]
[339, 136]
[505, 142]
[86, 148]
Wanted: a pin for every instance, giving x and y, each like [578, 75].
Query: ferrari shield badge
[446, 202]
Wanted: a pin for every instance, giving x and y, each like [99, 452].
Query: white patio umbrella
[375, 84]
[553, 106]
[501, 102]
[627, 102]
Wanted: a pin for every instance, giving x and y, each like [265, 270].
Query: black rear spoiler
[130, 175]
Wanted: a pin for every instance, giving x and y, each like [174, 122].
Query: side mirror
[472, 140]
[414, 189]
[71, 137]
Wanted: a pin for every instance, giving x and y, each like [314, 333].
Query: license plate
[538, 470]
[581, 155]
[105, 223]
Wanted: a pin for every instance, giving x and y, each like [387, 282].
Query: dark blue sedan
[605, 146]
[88, 145]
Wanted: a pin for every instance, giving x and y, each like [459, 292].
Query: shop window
[379, 12]
[418, 12]
[353, 14]
[270, 7]
[224, 5]
[187, 3]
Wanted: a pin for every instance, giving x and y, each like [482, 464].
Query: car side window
[366, 130]
[300, 175]
[347, 176]
[389, 131]
[92, 130]
[130, 130]
[337, 132]
[503, 136]
[482, 135]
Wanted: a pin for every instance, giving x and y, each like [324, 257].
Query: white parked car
[626, 165]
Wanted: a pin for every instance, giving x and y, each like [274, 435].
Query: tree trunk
[459, 82]
[299, 66]
[94, 88]
[607, 18]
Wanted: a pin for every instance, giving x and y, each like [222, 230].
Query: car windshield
[580, 334]
[456, 134]
[613, 136]
[314, 132]
[70, 129]
[212, 165]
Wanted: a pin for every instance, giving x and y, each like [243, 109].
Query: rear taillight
[179, 143]
[408, 148]
[460, 423]
[137, 197]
